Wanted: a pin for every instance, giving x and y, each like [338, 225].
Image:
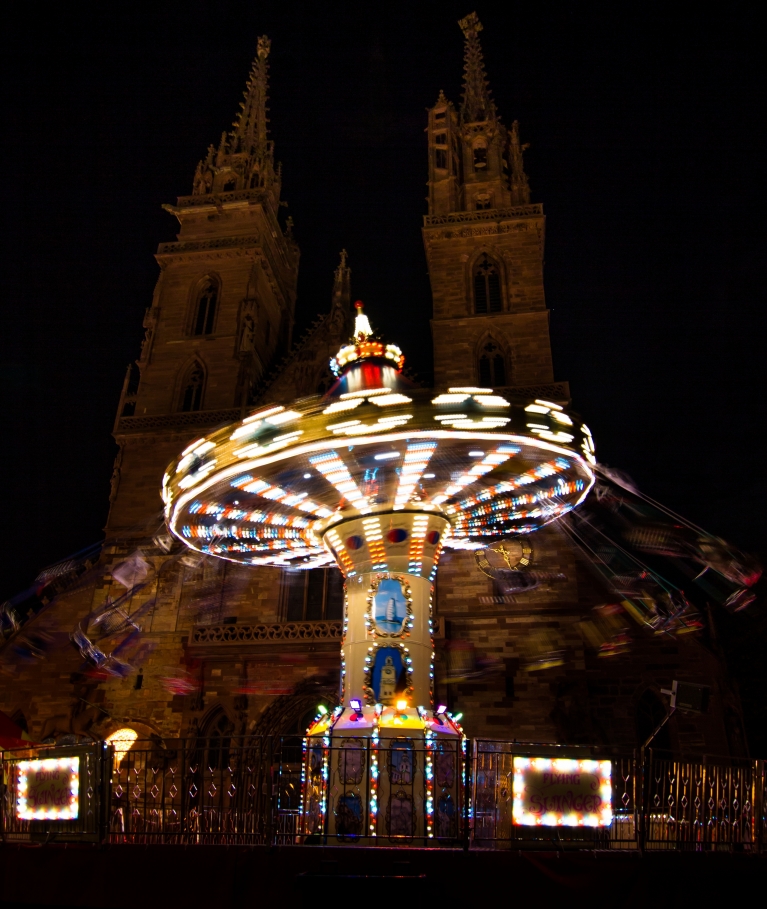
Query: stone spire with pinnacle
[520, 187]
[477, 103]
[245, 156]
[250, 126]
[340, 311]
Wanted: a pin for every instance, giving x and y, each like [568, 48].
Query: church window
[440, 158]
[487, 286]
[311, 596]
[218, 739]
[439, 115]
[205, 307]
[192, 388]
[230, 185]
[492, 366]
[483, 201]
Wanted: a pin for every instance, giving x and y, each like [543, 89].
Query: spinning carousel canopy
[280, 487]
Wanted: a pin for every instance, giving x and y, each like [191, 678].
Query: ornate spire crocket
[477, 104]
[520, 187]
[245, 156]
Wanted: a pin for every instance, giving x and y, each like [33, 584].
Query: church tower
[222, 312]
[484, 245]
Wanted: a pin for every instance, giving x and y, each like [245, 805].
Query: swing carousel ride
[378, 477]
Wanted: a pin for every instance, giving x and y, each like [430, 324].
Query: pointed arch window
[492, 366]
[206, 306]
[193, 387]
[487, 286]
[219, 731]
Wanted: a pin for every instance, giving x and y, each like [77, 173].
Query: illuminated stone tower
[484, 244]
[223, 307]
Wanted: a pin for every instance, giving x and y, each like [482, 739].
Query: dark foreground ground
[145, 877]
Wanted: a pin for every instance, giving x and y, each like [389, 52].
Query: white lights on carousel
[378, 479]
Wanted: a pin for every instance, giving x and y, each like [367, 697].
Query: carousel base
[383, 775]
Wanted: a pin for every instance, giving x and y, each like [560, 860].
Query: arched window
[193, 387]
[487, 286]
[205, 307]
[218, 734]
[492, 366]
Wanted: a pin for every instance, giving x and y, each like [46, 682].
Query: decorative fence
[704, 805]
[270, 790]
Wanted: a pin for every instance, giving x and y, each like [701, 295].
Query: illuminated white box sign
[562, 793]
[48, 790]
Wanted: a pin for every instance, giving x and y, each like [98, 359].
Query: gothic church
[227, 651]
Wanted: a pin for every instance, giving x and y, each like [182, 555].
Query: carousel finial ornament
[378, 477]
[362, 329]
[364, 345]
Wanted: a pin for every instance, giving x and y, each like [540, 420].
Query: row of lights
[330, 465]
[488, 463]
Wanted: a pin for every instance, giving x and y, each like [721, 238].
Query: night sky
[647, 150]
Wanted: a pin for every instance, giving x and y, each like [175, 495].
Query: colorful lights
[556, 792]
[358, 428]
[339, 551]
[48, 789]
[364, 346]
[490, 462]
[265, 419]
[343, 480]
[451, 440]
[372, 527]
[415, 556]
[335, 472]
[416, 459]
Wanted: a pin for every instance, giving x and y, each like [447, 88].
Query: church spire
[250, 126]
[477, 104]
[520, 188]
[340, 310]
[245, 156]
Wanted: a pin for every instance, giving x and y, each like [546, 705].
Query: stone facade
[216, 650]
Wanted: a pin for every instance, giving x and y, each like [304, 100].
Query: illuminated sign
[560, 792]
[48, 789]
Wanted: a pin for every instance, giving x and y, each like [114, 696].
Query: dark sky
[647, 150]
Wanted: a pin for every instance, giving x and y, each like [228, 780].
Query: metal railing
[274, 790]
[708, 804]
